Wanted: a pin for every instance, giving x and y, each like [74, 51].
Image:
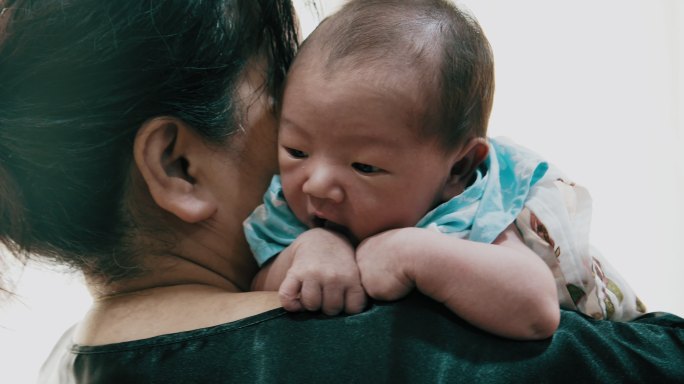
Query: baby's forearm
[272, 274]
[503, 288]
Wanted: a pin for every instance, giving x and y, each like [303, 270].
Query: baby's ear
[168, 154]
[464, 164]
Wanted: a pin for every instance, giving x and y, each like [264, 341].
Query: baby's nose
[322, 184]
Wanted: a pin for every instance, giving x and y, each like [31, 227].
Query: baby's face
[350, 157]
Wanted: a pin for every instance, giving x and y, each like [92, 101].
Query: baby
[388, 182]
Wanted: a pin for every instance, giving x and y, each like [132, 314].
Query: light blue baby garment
[480, 213]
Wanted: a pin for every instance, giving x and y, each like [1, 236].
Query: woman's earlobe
[165, 150]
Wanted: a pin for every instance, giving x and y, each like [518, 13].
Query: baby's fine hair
[435, 40]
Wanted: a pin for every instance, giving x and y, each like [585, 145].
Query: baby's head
[384, 114]
[428, 47]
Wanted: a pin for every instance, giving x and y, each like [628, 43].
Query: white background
[595, 86]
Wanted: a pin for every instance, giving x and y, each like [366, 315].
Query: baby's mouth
[319, 222]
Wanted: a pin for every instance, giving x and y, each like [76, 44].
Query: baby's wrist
[405, 245]
[410, 250]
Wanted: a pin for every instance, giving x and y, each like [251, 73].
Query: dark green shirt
[414, 340]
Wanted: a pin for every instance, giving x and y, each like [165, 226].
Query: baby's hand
[384, 266]
[323, 275]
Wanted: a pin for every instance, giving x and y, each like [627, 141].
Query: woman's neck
[199, 258]
[193, 286]
[167, 309]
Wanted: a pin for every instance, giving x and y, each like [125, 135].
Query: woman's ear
[463, 166]
[167, 153]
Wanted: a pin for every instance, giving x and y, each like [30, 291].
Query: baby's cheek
[300, 211]
[295, 200]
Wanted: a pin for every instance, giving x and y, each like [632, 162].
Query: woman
[134, 139]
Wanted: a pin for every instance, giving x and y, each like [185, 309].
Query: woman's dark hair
[79, 77]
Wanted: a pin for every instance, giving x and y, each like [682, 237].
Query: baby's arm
[316, 272]
[503, 288]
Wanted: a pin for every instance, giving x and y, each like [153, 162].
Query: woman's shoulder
[413, 340]
[275, 345]
[167, 310]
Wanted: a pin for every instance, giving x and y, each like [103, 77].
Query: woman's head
[79, 77]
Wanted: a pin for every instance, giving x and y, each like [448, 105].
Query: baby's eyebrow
[293, 126]
[375, 139]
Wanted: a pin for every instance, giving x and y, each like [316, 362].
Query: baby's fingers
[355, 300]
[311, 296]
[289, 294]
[333, 299]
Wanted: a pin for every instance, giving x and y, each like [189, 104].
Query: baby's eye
[296, 153]
[366, 168]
